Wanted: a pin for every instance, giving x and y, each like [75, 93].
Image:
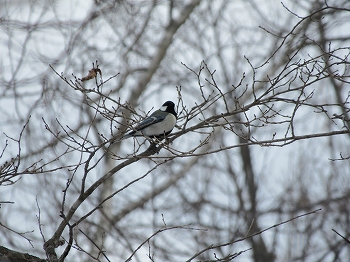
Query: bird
[158, 125]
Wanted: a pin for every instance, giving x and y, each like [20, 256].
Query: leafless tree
[256, 168]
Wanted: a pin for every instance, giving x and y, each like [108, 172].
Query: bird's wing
[156, 117]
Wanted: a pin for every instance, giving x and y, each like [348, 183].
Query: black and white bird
[158, 125]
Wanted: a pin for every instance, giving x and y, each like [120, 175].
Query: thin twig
[250, 236]
[347, 240]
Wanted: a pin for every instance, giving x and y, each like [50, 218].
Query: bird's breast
[162, 127]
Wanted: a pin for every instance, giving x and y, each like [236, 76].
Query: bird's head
[169, 107]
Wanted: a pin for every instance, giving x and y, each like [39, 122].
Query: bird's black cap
[170, 107]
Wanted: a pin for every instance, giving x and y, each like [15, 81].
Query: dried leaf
[92, 74]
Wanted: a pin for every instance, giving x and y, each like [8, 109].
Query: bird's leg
[166, 140]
